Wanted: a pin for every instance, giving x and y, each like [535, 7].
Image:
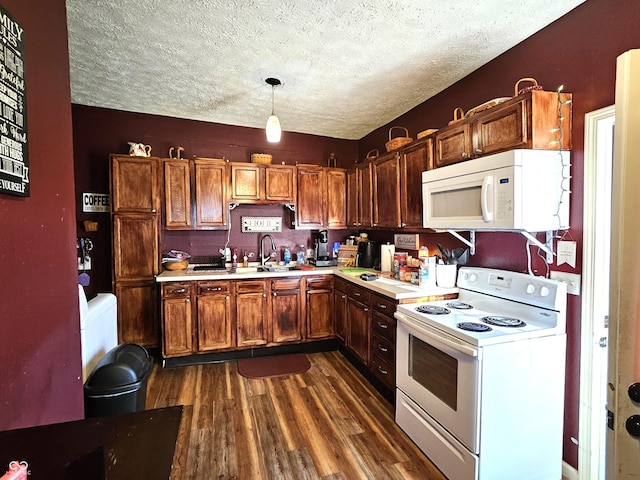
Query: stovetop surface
[538, 321]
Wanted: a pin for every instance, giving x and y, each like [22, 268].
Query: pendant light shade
[274, 131]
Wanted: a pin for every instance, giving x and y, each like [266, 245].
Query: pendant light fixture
[274, 131]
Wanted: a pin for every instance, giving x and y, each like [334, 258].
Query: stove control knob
[634, 392]
[473, 277]
[530, 289]
[544, 291]
[633, 425]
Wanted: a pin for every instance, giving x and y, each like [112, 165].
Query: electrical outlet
[571, 279]
[86, 265]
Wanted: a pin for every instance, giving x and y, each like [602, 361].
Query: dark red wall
[40, 373]
[578, 51]
[98, 132]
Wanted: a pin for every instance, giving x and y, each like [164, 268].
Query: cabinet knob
[365, 309]
[153, 210]
[403, 224]
[478, 150]
[275, 294]
[227, 297]
[464, 155]
[268, 197]
[187, 301]
[343, 296]
[264, 295]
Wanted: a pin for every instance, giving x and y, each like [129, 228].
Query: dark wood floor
[327, 423]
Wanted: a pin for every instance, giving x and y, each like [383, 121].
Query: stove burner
[503, 321]
[432, 310]
[459, 305]
[474, 327]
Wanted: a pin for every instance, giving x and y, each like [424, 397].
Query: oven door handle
[436, 335]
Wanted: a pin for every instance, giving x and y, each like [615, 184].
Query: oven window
[434, 370]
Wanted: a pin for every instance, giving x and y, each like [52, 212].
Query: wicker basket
[426, 133]
[458, 114]
[261, 158]
[397, 142]
[520, 91]
[372, 155]
[90, 226]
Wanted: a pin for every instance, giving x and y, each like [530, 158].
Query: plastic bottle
[287, 256]
[300, 255]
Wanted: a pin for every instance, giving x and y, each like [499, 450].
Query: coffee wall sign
[14, 154]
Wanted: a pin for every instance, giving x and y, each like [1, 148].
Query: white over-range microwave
[514, 190]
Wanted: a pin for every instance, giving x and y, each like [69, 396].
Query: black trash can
[119, 382]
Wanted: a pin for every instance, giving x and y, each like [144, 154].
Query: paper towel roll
[386, 257]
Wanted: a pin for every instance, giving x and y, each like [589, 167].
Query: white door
[623, 439]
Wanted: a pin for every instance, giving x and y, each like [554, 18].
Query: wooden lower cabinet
[214, 320]
[359, 329]
[319, 303]
[252, 314]
[138, 312]
[340, 309]
[177, 314]
[286, 310]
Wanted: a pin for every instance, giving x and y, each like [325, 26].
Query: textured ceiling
[347, 66]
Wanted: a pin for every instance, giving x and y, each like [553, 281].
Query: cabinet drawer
[383, 371]
[359, 294]
[384, 326]
[383, 304]
[176, 289]
[251, 286]
[285, 284]
[383, 348]
[209, 288]
[323, 282]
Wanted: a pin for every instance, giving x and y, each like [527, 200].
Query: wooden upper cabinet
[336, 179]
[136, 247]
[280, 183]
[245, 182]
[359, 196]
[413, 161]
[134, 184]
[526, 121]
[311, 197]
[386, 191]
[211, 202]
[177, 194]
[262, 184]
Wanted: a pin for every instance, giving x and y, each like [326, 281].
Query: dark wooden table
[129, 446]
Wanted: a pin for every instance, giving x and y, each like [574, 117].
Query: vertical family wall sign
[14, 153]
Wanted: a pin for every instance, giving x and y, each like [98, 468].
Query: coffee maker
[321, 247]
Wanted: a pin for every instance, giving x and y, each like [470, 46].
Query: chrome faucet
[263, 259]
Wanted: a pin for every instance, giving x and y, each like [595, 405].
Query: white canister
[446, 275]
[386, 257]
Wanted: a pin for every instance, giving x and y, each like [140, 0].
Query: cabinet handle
[227, 297]
[187, 301]
[212, 289]
[275, 294]
[383, 325]
[343, 296]
[153, 210]
[178, 290]
[356, 294]
[380, 305]
[403, 224]
[365, 309]
[382, 349]
[268, 197]
[382, 371]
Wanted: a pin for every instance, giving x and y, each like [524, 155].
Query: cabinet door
[134, 184]
[177, 195]
[501, 129]
[252, 314]
[245, 182]
[453, 144]
[340, 315]
[138, 320]
[211, 195]
[280, 183]
[336, 196]
[177, 323]
[319, 314]
[365, 189]
[311, 197]
[353, 199]
[386, 191]
[359, 330]
[285, 316]
[215, 330]
[135, 246]
[413, 161]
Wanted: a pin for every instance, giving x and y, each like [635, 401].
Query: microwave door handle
[487, 188]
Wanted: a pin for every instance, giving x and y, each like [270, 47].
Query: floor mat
[273, 366]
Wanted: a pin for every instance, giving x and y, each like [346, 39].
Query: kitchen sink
[275, 268]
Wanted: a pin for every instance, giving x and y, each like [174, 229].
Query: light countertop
[394, 289]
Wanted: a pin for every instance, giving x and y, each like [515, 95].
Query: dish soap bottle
[287, 256]
[300, 255]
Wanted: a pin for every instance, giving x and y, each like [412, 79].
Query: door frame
[598, 162]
